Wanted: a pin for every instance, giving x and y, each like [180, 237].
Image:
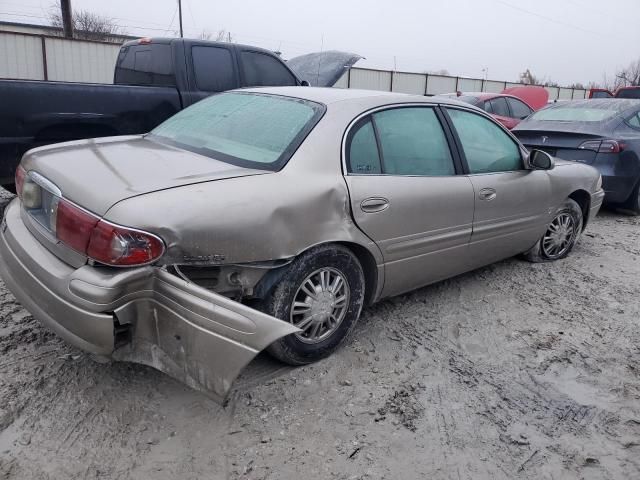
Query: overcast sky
[561, 40]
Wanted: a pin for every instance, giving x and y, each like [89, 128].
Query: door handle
[374, 204]
[487, 194]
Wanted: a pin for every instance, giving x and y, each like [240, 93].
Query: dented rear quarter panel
[258, 218]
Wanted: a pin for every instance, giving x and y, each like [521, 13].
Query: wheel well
[582, 198]
[369, 269]
[366, 259]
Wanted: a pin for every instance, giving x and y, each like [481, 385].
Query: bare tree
[629, 76]
[221, 36]
[529, 78]
[87, 25]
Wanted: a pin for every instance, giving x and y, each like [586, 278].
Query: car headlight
[599, 183]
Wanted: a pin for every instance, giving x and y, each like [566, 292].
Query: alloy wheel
[559, 236]
[320, 305]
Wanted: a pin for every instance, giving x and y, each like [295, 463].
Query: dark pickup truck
[154, 79]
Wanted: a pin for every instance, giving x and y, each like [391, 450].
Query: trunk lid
[535, 97]
[98, 173]
[560, 139]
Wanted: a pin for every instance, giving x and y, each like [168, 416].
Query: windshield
[574, 113]
[246, 129]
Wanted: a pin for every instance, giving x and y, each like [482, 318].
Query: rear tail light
[103, 241]
[116, 245]
[20, 174]
[73, 226]
[603, 146]
[83, 231]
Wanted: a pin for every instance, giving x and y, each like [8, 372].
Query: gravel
[516, 370]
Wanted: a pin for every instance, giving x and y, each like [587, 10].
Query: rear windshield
[467, 99]
[628, 93]
[245, 129]
[574, 113]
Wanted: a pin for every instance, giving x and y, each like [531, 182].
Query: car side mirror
[304, 83]
[540, 160]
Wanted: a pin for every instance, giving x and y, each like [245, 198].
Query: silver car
[267, 218]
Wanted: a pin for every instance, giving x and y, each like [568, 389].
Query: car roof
[488, 95]
[329, 95]
[619, 105]
[187, 41]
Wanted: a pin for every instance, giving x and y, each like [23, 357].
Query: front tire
[560, 236]
[322, 293]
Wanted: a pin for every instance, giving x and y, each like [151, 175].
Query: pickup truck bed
[36, 113]
[153, 79]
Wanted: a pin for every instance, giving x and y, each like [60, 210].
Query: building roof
[57, 31]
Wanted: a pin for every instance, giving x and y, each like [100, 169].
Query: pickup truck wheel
[321, 293]
[560, 236]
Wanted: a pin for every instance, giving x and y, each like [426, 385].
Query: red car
[509, 107]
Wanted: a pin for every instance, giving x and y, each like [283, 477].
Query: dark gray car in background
[603, 133]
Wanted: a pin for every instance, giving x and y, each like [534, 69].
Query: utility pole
[180, 16]
[67, 24]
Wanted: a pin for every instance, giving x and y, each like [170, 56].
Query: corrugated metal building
[37, 52]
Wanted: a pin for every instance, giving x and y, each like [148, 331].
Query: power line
[550, 19]
[172, 19]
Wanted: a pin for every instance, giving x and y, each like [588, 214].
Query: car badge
[544, 139]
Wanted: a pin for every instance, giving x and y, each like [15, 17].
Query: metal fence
[427, 84]
[41, 57]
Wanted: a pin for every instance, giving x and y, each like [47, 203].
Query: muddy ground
[512, 371]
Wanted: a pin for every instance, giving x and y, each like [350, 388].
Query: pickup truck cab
[622, 92]
[154, 78]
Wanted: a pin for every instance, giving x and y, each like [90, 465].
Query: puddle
[570, 382]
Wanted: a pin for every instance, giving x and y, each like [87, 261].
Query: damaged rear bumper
[143, 315]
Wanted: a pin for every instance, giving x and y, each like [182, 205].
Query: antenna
[320, 60]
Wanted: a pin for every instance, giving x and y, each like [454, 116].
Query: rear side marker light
[20, 174]
[603, 146]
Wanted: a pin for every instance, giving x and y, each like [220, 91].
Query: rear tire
[632, 205]
[560, 236]
[325, 289]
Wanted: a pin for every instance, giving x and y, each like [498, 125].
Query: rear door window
[213, 68]
[499, 107]
[362, 155]
[487, 107]
[413, 142]
[147, 64]
[518, 108]
[262, 70]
